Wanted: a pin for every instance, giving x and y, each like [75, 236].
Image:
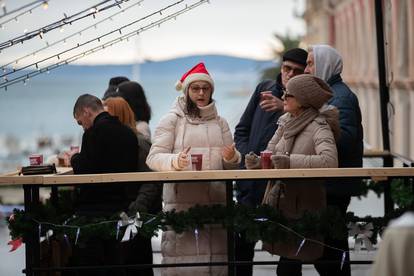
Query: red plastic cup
[36, 159]
[265, 159]
[264, 94]
[197, 161]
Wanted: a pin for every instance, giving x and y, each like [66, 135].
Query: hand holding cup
[228, 152]
[252, 161]
[281, 161]
[183, 158]
[270, 103]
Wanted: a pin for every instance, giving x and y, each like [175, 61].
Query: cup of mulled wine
[265, 159]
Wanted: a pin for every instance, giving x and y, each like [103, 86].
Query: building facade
[349, 26]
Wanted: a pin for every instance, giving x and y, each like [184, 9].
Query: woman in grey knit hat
[305, 138]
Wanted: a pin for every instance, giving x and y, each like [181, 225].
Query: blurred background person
[134, 94]
[113, 86]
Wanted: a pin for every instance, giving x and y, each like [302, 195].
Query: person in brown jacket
[305, 138]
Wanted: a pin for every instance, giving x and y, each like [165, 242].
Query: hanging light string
[39, 2]
[118, 30]
[44, 4]
[134, 219]
[92, 11]
[64, 40]
[47, 69]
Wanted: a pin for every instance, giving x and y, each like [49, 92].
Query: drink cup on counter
[265, 159]
[197, 161]
[36, 159]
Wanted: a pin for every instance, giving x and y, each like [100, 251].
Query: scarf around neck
[295, 125]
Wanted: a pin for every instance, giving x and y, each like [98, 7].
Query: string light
[92, 40]
[67, 20]
[107, 44]
[22, 13]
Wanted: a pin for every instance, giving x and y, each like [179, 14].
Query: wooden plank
[206, 175]
[228, 175]
[20, 180]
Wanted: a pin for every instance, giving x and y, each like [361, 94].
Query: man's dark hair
[89, 101]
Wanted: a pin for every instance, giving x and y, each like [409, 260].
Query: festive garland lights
[124, 37]
[66, 38]
[37, 3]
[92, 11]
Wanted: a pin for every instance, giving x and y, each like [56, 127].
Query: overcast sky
[235, 27]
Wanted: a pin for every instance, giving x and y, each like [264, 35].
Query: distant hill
[172, 67]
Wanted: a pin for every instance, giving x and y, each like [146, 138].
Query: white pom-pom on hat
[178, 86]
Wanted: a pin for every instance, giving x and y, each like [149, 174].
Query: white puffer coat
[207, 135]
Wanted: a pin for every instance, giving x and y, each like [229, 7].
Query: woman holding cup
[305, 138]
[192, 136]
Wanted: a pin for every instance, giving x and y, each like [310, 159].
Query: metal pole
[230, 230]
[31, 199]
[384, 99]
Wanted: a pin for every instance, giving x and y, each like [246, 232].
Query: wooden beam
[220, 175]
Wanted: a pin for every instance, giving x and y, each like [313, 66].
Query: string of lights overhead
[26, 77]
[92, 11]
[40, 3]
[98, 39]
[44, 4]
[66, 38]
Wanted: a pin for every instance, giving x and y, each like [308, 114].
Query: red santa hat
[197, 73]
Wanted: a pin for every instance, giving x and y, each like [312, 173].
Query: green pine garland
[261, 223]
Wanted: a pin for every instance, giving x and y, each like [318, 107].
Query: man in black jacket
[108, 146]
[256, 127]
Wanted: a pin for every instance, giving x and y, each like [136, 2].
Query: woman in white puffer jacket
[193, 127]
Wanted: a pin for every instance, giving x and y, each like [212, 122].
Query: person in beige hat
[325, 62]
[305, 138]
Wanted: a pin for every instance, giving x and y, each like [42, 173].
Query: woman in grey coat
[305, 138]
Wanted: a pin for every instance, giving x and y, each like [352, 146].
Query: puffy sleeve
[161, 156]
[326, 153]
[228, 140]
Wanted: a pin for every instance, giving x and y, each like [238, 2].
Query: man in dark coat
[108, 146]
[256, 127]
[326, 63]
